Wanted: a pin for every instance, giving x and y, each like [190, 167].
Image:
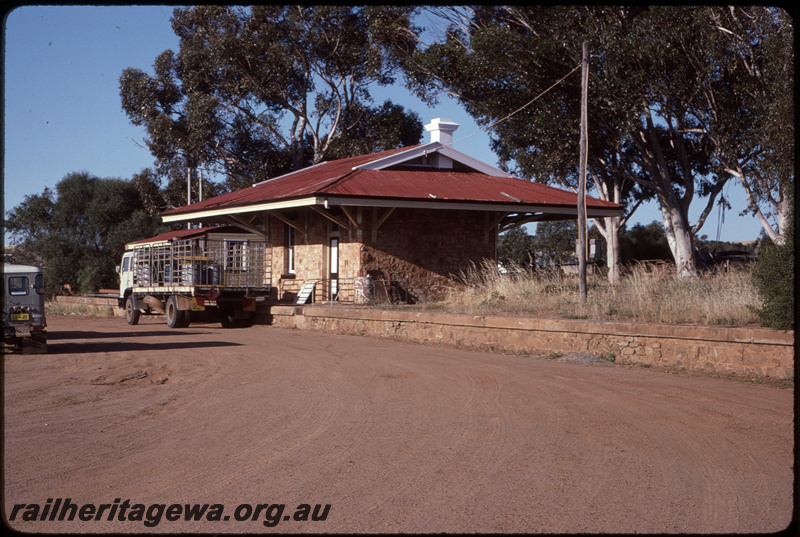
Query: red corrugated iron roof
[451, 185]
[301, 183]
[188, 234]
[339, 178]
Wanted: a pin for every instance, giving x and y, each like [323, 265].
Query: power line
[559, 81]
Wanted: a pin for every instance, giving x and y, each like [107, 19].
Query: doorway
[333, 266]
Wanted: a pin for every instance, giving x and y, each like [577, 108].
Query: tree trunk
[611, 190]
[784, 216]
[679, 237]
[609, 229]
[674, 210]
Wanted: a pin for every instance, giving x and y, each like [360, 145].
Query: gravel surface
[394, 437]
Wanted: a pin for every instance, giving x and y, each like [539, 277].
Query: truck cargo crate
[240, 264]
[196, 275]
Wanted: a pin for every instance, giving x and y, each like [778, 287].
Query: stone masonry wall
[419, 250]
[745, 351]
[423, 249]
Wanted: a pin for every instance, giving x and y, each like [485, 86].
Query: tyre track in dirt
[396, 437]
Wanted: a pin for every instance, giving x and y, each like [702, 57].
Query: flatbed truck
[209, 274]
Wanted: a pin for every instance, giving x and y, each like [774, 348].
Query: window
[235, 255]
[39, 284]
[17, 285]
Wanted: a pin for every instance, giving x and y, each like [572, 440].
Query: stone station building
[398, 224]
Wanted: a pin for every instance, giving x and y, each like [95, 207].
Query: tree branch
[715, 190]
[739, 174]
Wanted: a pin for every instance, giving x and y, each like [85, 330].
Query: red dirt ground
[395, 437]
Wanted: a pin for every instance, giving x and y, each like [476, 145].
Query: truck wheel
[131, 311]
[227, 317]
[175, 317]
[227, 320]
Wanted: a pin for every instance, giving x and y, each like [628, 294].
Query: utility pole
[188, 192]
[582, 174]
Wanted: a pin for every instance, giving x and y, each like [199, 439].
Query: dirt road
[393, 437]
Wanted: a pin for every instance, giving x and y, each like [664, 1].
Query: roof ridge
[380, 156]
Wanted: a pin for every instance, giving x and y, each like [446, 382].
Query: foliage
[555, 241]
[641, 243]
[671, 106]
[517, 248]
[774, 279]
[80, 230]
[759, 143]
[158, 197]
[376, 129]
[259, 91]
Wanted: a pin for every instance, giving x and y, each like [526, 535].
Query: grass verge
[719, 298]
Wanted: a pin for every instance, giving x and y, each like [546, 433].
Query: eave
[327, 201]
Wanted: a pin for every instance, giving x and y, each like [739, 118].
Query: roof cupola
[442, 130]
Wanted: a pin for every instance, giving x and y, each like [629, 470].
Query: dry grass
[717, 299]
[88, 310]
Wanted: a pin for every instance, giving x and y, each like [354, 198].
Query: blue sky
[62, 110]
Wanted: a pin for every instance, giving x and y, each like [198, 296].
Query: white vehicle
[24, 322]
[206, 274]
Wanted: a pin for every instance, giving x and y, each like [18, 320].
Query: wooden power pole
[582, 174]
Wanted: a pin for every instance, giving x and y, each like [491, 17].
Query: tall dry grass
[719, 298]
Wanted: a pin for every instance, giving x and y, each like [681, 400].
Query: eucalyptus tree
[258, 91]
[514, 69]
[79, 230]
[555, 241]
[517, 248]
[657, 80]
[757, 146]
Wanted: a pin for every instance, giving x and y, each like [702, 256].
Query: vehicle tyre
[131, 311]
[175, 317]
[228, 318]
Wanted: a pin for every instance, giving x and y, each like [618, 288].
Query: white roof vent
[442, 130]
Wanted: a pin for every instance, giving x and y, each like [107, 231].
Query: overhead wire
[521, 108]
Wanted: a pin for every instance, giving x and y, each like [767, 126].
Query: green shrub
[773, 278]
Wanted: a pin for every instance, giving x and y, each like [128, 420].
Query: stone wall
[745, 351]
[417, 249]
[422, 249]
[740, 350]
[90, 305]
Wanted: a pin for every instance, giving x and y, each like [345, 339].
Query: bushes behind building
[773, 278]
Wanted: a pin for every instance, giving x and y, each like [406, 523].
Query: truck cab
[24, 322]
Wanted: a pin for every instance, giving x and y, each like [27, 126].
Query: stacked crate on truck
[207, 274]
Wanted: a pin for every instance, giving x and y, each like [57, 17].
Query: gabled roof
[401, 177]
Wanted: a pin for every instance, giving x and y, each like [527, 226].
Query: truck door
[126, 273]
